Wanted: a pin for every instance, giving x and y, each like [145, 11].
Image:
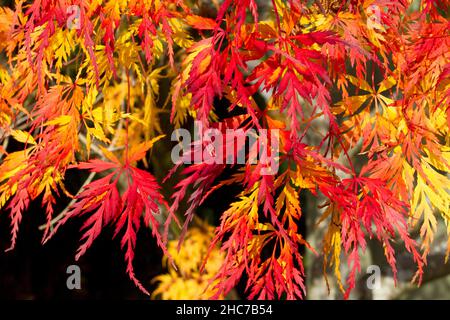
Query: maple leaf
[102, 202]
[363, 202]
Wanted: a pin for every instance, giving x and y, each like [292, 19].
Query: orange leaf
[201, 23]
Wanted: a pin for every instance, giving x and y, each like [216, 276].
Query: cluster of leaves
[191, 279]
[89, 98]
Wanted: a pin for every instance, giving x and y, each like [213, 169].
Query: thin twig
[72, 202]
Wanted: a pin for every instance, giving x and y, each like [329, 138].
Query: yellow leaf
[386, 84]
[23, 136]
[353, 103]
[62, 121]
[359, 83]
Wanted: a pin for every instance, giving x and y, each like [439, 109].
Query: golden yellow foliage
[188, 281]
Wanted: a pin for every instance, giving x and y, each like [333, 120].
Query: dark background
[36, 271]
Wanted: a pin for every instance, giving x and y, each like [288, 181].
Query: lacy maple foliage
[190, 279]
[337, 78]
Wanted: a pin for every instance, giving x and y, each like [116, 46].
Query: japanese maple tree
[358, 89]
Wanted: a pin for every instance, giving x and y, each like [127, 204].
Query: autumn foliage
[341, 80]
